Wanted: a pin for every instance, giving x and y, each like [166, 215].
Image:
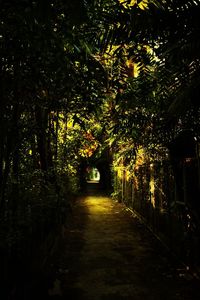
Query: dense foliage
[50, 82]
[47, 68]
[155, 73]
[79, 78]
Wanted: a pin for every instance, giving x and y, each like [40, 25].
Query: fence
[169, 206]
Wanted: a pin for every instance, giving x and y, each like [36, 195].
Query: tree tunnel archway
[93, 174]
[101, 165]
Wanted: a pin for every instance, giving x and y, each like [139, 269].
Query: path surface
[109, 255]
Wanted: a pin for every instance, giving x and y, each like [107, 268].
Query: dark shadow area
[107, 253]
[62, 264]
[94, 188]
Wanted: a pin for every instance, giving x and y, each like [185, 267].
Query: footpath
[108, 254]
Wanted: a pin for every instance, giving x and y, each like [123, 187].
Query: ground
[108, 254]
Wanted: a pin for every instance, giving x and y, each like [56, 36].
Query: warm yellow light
[97, 205]
[152, 191]
[142, 5]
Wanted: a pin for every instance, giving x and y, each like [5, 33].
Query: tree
[162, 92]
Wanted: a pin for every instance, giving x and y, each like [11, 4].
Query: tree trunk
[15, 158]
[42, 125]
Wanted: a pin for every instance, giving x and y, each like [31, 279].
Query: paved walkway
[109, 255]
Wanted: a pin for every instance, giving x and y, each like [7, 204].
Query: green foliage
[154, 73]
[78, 77]
[48, 72]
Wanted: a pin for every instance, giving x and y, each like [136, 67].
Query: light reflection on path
[118, 258]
